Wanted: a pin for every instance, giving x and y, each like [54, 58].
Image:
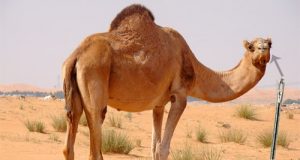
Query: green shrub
[116, 142]
[35, 126]
[247, 112]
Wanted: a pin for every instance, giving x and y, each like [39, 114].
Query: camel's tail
[70, 83]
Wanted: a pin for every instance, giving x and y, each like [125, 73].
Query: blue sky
[36, 36]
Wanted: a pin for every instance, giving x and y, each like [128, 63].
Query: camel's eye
[259, 48]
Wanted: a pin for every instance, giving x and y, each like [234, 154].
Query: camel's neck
[223, 86]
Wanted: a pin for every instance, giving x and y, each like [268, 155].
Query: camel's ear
[248, 46]
[269, 42]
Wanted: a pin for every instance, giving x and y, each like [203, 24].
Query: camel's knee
[69, 116]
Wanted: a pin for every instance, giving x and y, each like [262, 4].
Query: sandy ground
[16, 142]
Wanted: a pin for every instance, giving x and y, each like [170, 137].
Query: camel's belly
[137, 94]
[130, 106]
[137, 103]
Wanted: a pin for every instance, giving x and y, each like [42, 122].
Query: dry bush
[128, 115]
[54, 137]
[59, 123]
[116, 142]
[290, 115]
[246, 112]
[83, 120]
[266, 138]
[210, 153]
[201, 135]
[184, 153]
[115, 121]
[233, 135]
[188, 132]
[188, 153]
[35, 126]
[138, 142]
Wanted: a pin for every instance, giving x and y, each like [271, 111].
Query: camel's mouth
[261, 60]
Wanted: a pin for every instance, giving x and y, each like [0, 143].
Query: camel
[138, 65]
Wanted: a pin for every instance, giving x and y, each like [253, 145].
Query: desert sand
[16, 142]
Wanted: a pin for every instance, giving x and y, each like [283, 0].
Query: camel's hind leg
[72, 125]
[93, 70]
[95, 97]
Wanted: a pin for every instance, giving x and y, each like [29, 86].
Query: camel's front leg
[178, 105]
[158, 113]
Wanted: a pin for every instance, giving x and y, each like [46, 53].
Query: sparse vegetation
[188, 132]
[283, 140]
[188, 153]
[138, 142]
[290, 115]
[129, 116]
[184, 153]
[54, 137]
[115, 121]
[85, 133]
[31, 107]
[210, 154]
[83, 120]
[35, 126]
[201, 135]
[21, 107]
[246, 112]
[31, 139]
[116, 142]
[266, 139]
[233, 135]
[59, 123]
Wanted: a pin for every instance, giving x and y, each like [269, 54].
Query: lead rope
[280, 92]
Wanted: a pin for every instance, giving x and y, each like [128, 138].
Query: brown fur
[128, 11]
[141, 66]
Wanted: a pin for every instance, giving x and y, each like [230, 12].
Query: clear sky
[37, 35]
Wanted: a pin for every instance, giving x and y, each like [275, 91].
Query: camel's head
[260, 51]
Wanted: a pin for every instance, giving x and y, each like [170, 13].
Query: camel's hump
[128, 11]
